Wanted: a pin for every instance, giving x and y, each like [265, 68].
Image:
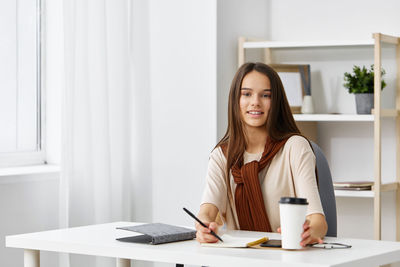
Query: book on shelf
[356, 186]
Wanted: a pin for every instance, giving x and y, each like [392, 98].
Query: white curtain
[96, 184]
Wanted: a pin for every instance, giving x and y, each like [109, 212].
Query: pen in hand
[202, 224]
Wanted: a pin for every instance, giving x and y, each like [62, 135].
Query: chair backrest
[326, 190]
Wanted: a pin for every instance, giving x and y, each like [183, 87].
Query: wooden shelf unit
[376, 116]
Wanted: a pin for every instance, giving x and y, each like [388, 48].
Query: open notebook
[236, 242]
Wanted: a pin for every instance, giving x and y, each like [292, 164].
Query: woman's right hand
[204, 235]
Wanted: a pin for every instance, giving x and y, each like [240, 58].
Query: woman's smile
[255, 113]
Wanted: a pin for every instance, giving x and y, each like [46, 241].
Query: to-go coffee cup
[292, 214]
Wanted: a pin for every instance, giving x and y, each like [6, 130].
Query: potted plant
[361, 83]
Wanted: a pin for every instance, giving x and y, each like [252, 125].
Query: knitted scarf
[249, 200]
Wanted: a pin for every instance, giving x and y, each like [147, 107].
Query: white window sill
[29, 170]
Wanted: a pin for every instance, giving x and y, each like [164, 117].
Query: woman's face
[255, 99]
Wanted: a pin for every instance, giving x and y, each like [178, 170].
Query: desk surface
[100, 240]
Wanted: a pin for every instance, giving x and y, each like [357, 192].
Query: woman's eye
[267, 95]
[246, 94]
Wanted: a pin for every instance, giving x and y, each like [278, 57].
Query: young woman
[261, 158]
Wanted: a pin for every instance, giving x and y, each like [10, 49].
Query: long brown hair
[280, 122]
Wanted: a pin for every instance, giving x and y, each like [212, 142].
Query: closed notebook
[158, 233]
[236, 242]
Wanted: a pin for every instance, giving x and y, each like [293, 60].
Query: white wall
[236, 18]
[27, 204]
[327, 20]
[183, 51]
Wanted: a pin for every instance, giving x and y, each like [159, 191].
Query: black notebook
[158, 233]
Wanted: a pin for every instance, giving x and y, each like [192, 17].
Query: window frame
[37, 157]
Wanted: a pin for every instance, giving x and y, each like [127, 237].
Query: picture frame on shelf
[296, 81]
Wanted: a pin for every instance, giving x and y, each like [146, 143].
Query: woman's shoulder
[217, 160]
[217, 154]
[297, 143]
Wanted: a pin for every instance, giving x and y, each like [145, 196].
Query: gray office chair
[326, 191]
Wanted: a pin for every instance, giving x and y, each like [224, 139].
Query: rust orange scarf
[249, 200]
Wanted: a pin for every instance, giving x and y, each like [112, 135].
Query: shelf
[305, 44]
[332, 117]
[350, 193]
[385, 113]
[367, 193]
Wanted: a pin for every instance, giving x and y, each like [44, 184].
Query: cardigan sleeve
[215, 188]
[302, 161]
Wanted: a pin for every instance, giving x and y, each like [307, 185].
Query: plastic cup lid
[293, 200]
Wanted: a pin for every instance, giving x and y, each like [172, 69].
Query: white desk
[99, 240]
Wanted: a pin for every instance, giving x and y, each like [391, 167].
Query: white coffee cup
[293, 215]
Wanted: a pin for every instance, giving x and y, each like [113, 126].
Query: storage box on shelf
[308, 122]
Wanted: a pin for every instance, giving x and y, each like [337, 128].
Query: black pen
[202, 224]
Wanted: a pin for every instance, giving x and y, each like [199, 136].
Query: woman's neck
[256, 139]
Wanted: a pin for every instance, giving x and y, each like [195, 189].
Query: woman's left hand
[309, 236]
[313, 232]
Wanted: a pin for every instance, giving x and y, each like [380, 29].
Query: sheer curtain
[95, 181]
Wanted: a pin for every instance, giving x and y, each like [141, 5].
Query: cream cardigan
[291, 173]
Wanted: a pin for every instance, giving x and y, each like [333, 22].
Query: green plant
[361, 81]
